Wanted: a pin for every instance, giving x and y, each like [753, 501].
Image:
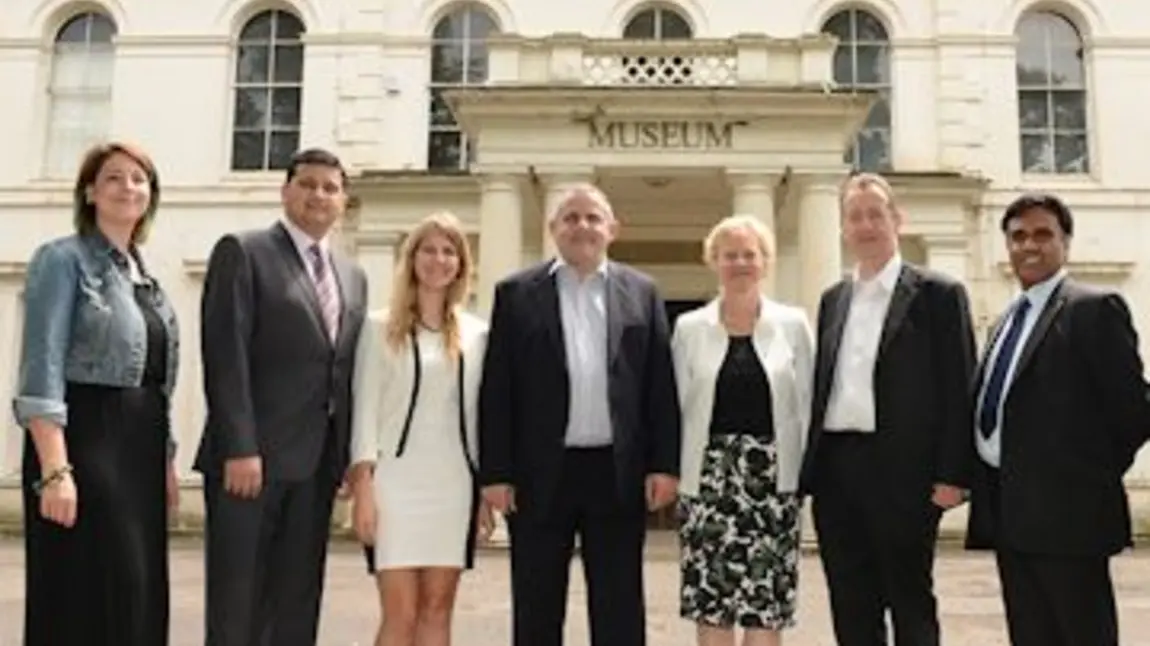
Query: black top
[156, 361]
[742, 394]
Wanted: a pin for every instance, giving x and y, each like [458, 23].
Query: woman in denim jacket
[96, 376]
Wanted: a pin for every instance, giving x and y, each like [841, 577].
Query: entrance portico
[678, 135]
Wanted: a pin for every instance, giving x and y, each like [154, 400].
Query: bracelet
[52, 478]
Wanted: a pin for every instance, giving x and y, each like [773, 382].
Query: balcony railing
[572, 59]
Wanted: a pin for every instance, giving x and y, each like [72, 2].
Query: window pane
[288, 63]
[642, 26]
[252, 108]
[451, 27]
[839, 26]
[1071, 154]
[873, 65]
[476, 63]
[673, 26]
[259, 28]
[1069, 110]
[1032, 109]
[286, 107]
[879, 116]
[248, 151]
[75, 30]
[844, 70]
[1037, 157]
[102, 29]
[447, 63]
[252, 64]
[868, 28]
[874, 149]
[441, 114]
[283, 146]
[1066, 65]
[480, 25]
[288, 27]
[1031, 66]
[444, 150]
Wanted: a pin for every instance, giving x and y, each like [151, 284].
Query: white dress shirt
[850, 405]
[583, 311]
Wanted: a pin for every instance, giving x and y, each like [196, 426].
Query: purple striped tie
[325, 292]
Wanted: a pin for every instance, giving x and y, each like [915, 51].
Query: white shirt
[583, 310]
[851, 402]
[303, 244]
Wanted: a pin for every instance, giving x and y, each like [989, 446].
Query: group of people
[573, 413]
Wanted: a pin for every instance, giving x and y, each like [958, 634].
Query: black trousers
[265, 562]
[1058, 600]
[878, 554]
[611, 536]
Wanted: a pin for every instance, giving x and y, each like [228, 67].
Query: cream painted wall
[365, 96]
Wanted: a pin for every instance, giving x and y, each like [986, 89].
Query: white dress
[424, 496]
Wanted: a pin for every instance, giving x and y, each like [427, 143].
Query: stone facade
[975, 102]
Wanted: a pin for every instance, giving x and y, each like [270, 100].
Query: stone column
[376, 252]
[500, 236]
[556, 185]
[753, 194]
[948, 254]
[820, 240]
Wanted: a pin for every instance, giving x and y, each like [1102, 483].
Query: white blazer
[382, 383]
[785, 346]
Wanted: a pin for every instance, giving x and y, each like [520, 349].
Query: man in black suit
[281, 311]
[579, 426]
[1061, 411]
[889, 445]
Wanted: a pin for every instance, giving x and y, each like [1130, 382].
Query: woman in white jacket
[744, 369]
[413, 446]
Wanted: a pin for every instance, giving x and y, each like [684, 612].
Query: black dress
[104, 582]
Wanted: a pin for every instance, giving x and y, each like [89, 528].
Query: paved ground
[971, 609]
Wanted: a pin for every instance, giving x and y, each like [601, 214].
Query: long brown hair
[403, 315]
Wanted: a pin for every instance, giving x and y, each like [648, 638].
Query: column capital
[499, 182]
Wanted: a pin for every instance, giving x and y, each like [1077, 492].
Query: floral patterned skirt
[739, 539]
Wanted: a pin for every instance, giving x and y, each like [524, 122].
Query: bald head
[583, 225]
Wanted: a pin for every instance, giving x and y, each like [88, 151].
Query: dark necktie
[992, 397]
[325, 291]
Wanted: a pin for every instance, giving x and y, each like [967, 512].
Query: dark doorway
[665, 518]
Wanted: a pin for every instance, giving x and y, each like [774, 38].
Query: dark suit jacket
[1073, 419]
[524, 398]
[921, 385]
[272, 378]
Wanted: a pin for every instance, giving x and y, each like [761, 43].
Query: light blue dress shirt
[990, 449]
[583, 310]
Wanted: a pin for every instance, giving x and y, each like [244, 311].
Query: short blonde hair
[860, 182]
[736, 223]
[403, 316]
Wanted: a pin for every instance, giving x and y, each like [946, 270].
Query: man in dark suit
[579, 426]
[281, 311]
[889, 444]
[1061, 411]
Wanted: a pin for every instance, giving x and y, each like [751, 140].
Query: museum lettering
[682, 135]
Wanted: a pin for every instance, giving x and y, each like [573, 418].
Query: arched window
[657, 23]
[458, 59]
[80, 91]
[862, 61]
[1051, 95]
[268, 92]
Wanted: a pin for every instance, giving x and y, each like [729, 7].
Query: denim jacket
[82, 324]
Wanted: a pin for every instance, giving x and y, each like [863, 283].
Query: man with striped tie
[281, 311]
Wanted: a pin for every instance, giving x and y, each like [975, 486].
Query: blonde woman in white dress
[413, 447]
